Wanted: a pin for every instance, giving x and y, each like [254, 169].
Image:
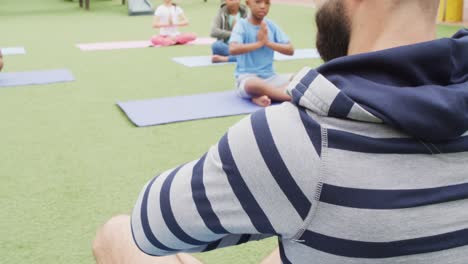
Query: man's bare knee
[115, 229]
[273, 258]
[114, 245]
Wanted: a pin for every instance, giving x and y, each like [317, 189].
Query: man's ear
[319, 3]
[352, 5]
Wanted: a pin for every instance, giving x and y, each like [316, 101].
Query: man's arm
[193, 209]
[233, 194]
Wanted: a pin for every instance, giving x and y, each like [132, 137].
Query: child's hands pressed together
[170, 22]
[263, 34]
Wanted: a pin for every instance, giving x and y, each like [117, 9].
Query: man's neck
[373, 34]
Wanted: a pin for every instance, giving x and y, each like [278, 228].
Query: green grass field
[69, 158]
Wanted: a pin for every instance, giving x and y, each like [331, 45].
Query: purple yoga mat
[134, 44]
[184, 108]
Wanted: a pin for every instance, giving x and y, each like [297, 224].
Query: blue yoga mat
[203, 61]
[184, 108]
[35, 77]
[13, 51]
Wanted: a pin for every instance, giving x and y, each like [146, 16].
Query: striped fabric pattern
[326, 177]
[224, 199]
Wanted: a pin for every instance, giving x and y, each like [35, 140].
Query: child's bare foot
[262, 100]
[219, 58]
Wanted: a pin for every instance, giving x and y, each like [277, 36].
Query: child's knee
[185, 38]
[162, 41]
[191, 36]
[220, 48]
[254, 85]
[216, 47]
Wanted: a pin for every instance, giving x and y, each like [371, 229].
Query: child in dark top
[229, 13]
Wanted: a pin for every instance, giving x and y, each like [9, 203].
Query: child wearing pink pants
[168, 17]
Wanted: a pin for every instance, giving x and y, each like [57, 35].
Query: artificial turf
[69, 158]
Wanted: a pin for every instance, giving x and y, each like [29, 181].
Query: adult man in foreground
[367, 164]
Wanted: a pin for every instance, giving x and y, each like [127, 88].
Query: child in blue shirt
[254, 40]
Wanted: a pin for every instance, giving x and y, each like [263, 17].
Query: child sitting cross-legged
[168, 17]
[229, 13]
[254, 40]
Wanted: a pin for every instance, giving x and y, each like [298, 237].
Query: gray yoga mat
[198, 61]
[8, 79]
[13, 50]
[203, 61]
[299, 54]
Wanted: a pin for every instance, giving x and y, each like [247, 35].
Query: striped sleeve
[240, 190]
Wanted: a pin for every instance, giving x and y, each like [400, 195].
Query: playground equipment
[453, 11]
[139, 7]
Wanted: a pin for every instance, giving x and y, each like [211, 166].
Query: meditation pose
[167, 18]
[254, 40]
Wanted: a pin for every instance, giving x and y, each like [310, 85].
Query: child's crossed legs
[263, 91]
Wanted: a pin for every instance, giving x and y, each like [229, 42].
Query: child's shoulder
[243, 21]
[161, 8]
[177, 7]
[270, 22]
[272, 25]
